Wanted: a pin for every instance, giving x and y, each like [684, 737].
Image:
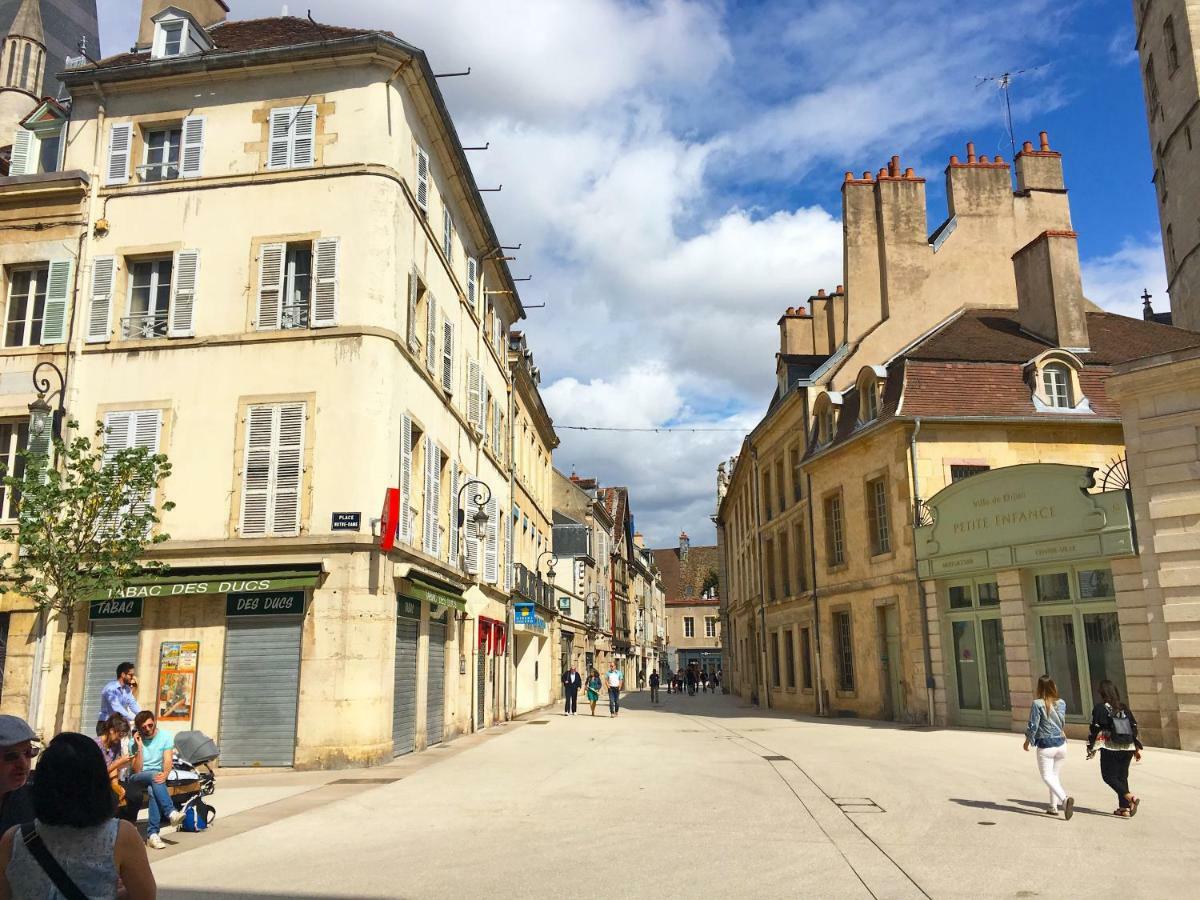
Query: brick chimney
[206, 12]
[1041, 169]
[1050, 301]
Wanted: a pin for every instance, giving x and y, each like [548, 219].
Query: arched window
[827, 424]
[1056, 383]
[869, 404]
[25, 66]
[12, 65]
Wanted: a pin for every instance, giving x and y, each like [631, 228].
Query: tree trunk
[60, 712]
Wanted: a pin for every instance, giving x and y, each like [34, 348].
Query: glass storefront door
[977, 640]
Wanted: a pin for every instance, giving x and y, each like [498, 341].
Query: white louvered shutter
[447, 235]
[491, 550]
[452, 507]
[325, 283]
[304, 137]
[435, 498]
[184, 274]
[192, 155]
[423, 180]
[270, 286]
[414, 343]
[119, 144]
[428, 511]
[483, 408]
[23, 160]
[104, 269]
[496, 427]
[471, 545]
[279, 153]
[406, 535]
[508, 553]
[431, 354]
[58, 290]
[448, 356]
[118, 429]
[289, 469]
[472, 281]
[256, 470]
[145, 426]
[474, 385]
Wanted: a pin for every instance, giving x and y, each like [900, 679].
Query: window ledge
[32, 350]
[840, 567]
[883, 557]
[846, 695]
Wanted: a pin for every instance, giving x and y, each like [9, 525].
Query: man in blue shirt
[117, 697]
[152, 764]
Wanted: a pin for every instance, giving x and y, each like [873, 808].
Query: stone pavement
[705, 796]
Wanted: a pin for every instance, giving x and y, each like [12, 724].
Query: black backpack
[1120, 727]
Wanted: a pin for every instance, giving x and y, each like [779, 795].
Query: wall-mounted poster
[177, 681]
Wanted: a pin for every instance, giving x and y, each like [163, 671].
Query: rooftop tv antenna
[1004, 82]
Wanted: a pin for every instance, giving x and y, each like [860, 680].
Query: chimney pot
[849, 176]
[983, 160]
[909, 173]
[999, 160]
[867, 176]
[840, 290]
[971, 152]
[894, 166]
[883, 173]
[1027, 147]
[1045, 140]
[820, 292]
[953, 160]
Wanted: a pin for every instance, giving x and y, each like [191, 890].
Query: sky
[672, 171]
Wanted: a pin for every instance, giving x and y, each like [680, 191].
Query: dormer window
[171, 38]
[827, 426]
[176, 33]
[1056, 382]
[870, 401]
[1054, 379]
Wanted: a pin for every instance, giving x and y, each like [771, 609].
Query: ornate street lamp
[550, 569]
[46, 421]
[479, 518]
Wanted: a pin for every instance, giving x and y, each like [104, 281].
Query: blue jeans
[161, 804]
[614, 700]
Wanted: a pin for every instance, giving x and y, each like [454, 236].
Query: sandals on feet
[1133, 806]
[1123, 813]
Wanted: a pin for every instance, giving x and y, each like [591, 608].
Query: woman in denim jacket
[1047, 717]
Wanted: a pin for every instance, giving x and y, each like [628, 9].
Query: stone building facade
[691, 582]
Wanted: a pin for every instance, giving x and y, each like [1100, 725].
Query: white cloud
[1116, 282]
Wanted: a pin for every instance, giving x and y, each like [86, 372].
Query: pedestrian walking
[16, 758]
[72, 846]
[152, 764]
[691, 682]
[655, 681]
[615, 682]
[717, 682]
[1047, 717]
[117, 697]
[593, 689]
[572, 682]
[1116, 730]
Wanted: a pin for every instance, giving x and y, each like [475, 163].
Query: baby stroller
[192, 778]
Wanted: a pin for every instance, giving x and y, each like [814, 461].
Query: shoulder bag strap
[38, 850]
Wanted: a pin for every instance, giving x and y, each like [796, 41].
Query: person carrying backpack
[1115, 728]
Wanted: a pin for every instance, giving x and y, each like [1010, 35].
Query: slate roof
[679, 574]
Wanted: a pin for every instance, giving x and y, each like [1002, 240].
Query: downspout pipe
[925, 648]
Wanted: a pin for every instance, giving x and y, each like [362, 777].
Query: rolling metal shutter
[109, 645]
[404, 702]
[435, 700]
[480, 685]
[260, 692]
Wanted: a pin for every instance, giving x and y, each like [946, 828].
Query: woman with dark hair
[1115, 728]
[1047, 718]
[73, 805]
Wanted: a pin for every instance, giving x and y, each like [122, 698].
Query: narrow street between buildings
[720, 798]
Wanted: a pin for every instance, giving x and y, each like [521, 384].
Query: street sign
[346, 521]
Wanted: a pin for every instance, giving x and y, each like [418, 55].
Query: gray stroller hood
[196, 747]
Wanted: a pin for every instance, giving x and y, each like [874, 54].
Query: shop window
[789, 654]
[806, 670]
[960, 596]
[988, 593]
[845, 651]
[971, 594]
[1053, 587]
[877, 516]
[1095, 584]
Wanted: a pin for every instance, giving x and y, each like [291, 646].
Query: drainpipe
[929, 683]
[760, 652]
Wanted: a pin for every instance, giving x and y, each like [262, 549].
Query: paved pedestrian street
[722, 800]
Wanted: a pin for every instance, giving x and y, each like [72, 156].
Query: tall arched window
[12, 64]
[870, 401]
[1056, 382]
[25, 66]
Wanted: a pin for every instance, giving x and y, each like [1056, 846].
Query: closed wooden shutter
[23, 160]
[471, 548]
[145, 428]
[508, 553]
[480, 681]
[404, 687]
[120, 141]
[304, 137]
[432, 498]
[325, 283]
[279, 154]
[472, 281]
[289, 469]
[491, 550]
[414, 342]
[192, 155]
[406, 534]
[270, 286]
[104, 270]
[483, 408]
[256, 470]
[435, 684]
[447, 235]
[448, 356]
[474, 386]
[453, 507]
[109, 645]
[184, 274]
[273, 469]
[260, 691]
[431, 354]
[58, 291]
[423, 180]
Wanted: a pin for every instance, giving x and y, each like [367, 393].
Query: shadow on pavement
[1023, 807]
[191, 894]
[1086, 810]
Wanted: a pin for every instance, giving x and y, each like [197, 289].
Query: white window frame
[155, 262]
[1056, 385]
[160, 38]
[689, 626]
[710, 626]
[8, 464]
[33, 269]
[145, 167]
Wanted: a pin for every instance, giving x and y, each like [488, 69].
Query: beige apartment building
[933, 510]
[691, 581]
[583, 575]
[274, 266]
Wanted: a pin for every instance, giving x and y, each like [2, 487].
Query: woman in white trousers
[1047, 718]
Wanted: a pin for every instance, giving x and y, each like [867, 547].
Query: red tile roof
[683, 579]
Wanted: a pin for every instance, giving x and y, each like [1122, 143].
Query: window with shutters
[37, 148]
[129, 430]
[431, 461]
[292, 137]
[149, 298]
[160, 159]
[298, 285]
[26, 308]
[448, 235]
[14, 438]
[410, 436]
[448, 356]
[422, 180]
[273, 469]
[162, 295]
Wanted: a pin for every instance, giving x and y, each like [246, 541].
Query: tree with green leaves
[86, 516]
[710, 582]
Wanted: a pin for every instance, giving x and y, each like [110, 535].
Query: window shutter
[491, 572]
[428, 512]
[414, 343]
[193, 147]
[508, 560]
[270, 286]
[256, 470]
[24, 153]
[184, 274]
[471, 550]
[406, 535]
[448, 356]
[325, 286]
[119, 141]
[435, 498]
[117, 433]
[474, 384]
[278, 155]
[58, 289]
[453, 507]
[145, 426]
[431, 354]
[483, 409]
[447, 235]
[304, 137]
[289, 469]
[423, 180]
[104, 269]
[472, 281]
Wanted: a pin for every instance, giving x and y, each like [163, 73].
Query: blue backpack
[197, 817]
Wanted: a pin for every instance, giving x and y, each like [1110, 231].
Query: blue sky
[673, 170]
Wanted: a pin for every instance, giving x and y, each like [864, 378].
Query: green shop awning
[431, 592]
[192, 582]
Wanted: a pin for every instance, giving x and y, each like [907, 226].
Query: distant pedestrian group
[1113, 732]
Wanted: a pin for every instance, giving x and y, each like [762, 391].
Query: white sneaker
[175, 817]
[154, 842]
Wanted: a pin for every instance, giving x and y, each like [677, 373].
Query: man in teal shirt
[152, 764]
